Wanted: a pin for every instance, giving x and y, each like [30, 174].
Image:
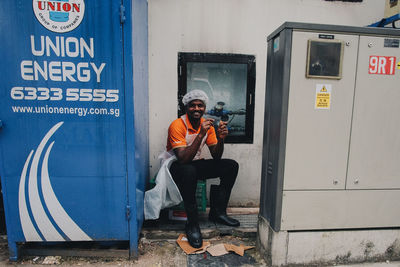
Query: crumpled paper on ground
[187, 248]
[237, 249]
[52, 260]
[222, 249]
[216, 250]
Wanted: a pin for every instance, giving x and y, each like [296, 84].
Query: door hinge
[128, 212]
[122, 14]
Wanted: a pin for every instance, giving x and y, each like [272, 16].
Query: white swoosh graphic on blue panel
[43, 222]
[66, 224]
[57, 212]
[28, 229]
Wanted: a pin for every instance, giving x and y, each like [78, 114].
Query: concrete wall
[229, 26]
[323, 248]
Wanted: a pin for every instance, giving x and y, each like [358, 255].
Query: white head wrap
[195, 95]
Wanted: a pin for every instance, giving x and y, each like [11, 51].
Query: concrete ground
[158, 247]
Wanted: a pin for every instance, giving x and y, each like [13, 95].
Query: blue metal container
[73, 120]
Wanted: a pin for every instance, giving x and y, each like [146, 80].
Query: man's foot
[223, 219]
[193, 234]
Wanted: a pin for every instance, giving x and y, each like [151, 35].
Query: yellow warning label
[323, 100]
[323, 96]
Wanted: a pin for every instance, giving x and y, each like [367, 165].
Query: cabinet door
[375, 138]
[317, 136]
[62, 144]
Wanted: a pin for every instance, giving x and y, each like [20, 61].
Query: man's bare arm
[218, 149]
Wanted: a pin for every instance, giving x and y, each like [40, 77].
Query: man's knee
[187, 172]
[230, 165]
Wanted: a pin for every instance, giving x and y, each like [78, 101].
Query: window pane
[225, 84]
[324, 59]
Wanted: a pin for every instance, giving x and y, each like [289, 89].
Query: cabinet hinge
[128, 212]
[122, 14]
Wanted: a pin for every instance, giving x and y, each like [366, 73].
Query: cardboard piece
[237, 249]
[217, 250]
[222, 249]
[203, 248]
[187, 248]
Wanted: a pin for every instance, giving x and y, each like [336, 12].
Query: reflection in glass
[225, 84]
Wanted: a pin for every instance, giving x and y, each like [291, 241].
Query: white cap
[195, 95]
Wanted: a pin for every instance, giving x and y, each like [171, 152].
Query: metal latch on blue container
[122, 14]
[128, 212]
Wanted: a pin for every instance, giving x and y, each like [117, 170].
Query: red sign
[382, 65]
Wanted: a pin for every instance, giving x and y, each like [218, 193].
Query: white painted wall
[229, 26]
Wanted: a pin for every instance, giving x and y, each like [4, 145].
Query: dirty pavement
[158, 247]
[155, 253]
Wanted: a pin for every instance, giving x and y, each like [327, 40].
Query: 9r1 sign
[382, 65]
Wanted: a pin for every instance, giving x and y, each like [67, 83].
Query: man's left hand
[222, 130]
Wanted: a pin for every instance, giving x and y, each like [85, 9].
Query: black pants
[186, 175]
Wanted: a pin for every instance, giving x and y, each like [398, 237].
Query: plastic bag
[165, 193]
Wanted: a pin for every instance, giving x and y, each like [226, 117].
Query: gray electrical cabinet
[331, 155]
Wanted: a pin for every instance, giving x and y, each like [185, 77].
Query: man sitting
[186, 137]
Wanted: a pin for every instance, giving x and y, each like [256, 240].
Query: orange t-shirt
[177, 134]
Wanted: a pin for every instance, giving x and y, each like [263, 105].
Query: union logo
[59, 15]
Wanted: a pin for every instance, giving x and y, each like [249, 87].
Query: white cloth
[165, 194]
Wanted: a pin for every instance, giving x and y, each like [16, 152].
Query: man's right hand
[186, 154]
[205, 126]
